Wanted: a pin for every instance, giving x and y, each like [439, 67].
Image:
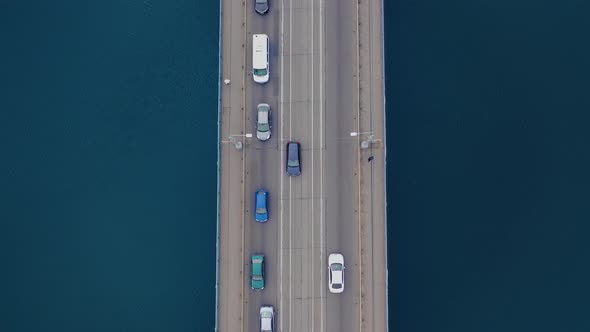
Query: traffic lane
[305, 200]
[301, 187]
[301, 280]
[284, 306]
[262, 237]
[263, 164]
[311, 189]
[304, 256]
[301, 263]
[342, 182]
[319, 258]
[300, 269]
[342, 237]
[317, 125]
[299, 230]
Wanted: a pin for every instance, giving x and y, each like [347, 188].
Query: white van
[260, 70]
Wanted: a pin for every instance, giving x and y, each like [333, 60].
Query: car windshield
[261, 1]
[260, 210]
[256, 277]
[293, 163]
[336, 267]
[260, 72]
[336, 286]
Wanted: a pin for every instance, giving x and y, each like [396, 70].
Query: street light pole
[355, 134]
[370, 139]
[237, 144]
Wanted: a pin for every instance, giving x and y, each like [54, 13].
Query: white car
[267, 314]
[336, 273]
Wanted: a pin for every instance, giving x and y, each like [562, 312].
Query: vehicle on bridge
[260, 56]
[261, 6]
[257, 277]
[267, 314]
[261, 212]
[293, 159]
[263, 122]
[336, 273]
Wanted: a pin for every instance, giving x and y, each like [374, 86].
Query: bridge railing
[218, 217]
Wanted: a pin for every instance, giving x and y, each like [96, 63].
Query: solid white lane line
[312, 173]
[280, 143]
[290, 179]
[322, 234]
[244, 64]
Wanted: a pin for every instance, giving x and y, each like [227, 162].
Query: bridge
[326, 91]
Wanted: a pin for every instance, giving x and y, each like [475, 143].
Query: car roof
[257, 269]
[259, 47]
[337, 277]
[266, 324]
[260, 195]
[263, 116]
[292, 147]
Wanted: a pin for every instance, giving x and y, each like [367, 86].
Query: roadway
[315, 100]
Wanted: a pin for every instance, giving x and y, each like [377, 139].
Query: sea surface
[108, 167]
[108, 126]
[488, 109]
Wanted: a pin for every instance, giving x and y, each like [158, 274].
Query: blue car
[261, 210]
[293, 159]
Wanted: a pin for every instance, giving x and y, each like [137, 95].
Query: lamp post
[370, 139]
[237, 144]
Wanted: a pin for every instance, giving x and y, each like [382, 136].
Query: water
[108, 126]
[488, 165]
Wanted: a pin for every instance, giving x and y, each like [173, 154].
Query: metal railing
[218, 217]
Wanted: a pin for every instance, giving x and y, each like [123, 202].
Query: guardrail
[381, 3]
[219, 108]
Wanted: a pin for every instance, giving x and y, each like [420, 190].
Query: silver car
[267, 314]
[263, 122]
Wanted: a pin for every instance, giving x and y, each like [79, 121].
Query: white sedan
[267, 314]
[336, 273]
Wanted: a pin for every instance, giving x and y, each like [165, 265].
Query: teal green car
[257, 281]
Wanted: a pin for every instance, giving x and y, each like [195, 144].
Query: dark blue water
[489, 199]
[109, 126]
[108, 131]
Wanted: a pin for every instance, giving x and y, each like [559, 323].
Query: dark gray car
[293, 159]
[261, 6]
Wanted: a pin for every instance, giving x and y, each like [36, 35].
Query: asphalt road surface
[314, 95]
